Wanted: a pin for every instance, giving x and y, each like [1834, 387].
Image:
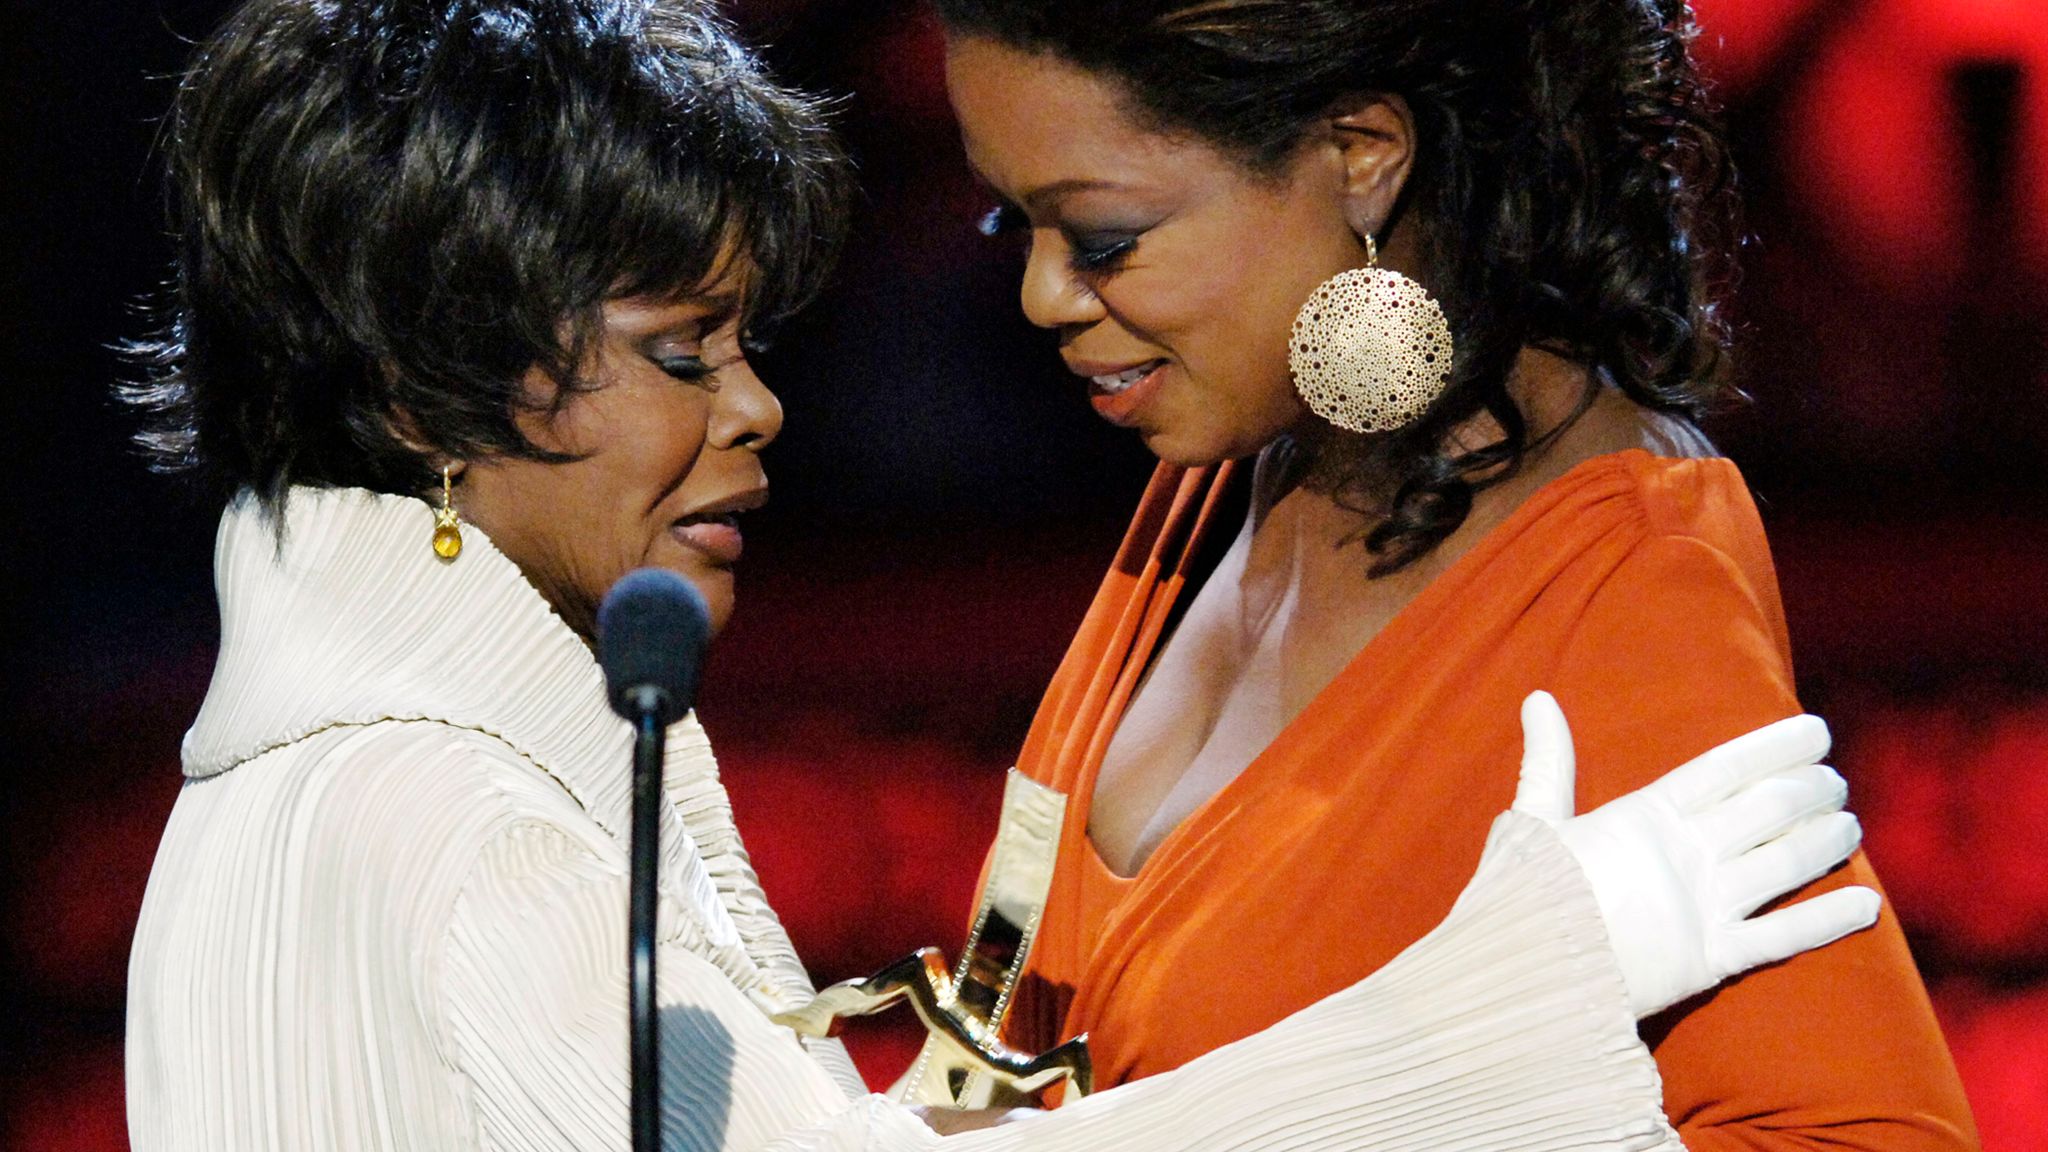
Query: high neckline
[351, 619]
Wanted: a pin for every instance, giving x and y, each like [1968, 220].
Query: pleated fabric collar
[354, 620]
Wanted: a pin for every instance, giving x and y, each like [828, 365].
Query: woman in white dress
[464, 294]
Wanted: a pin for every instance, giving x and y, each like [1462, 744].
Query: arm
[532, 988]
[1504, 1029]
[1507, 1027]
[1837, 1047]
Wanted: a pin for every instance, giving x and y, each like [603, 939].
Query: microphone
[651, 633]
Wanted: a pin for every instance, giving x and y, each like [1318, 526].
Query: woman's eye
[1098, 256]
[689, 369]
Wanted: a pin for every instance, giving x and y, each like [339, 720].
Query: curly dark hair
[387, 212]
[1571, 185]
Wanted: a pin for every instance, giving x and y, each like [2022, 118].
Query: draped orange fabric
[1640, 591]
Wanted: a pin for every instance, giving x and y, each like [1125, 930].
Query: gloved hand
[1678, 866]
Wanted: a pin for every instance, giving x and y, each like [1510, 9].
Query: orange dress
[1638, 590]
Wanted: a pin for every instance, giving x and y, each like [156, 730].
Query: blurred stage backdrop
[945, 502]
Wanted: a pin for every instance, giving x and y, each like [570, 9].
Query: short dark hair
[402, 207]
[1572, 186]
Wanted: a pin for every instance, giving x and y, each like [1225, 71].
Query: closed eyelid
[697, 338]
[1099, 263]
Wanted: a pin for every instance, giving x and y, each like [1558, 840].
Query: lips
[713, 530]
[1117, 394]
[1112, 383]
[717, 540]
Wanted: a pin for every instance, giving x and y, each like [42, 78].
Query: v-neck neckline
[1405, 620]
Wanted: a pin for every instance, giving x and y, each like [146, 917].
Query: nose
[1053, 297]
[746, 414]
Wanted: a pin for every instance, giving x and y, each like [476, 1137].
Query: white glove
[1678, 866]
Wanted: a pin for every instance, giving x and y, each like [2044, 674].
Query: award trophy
[961, 1043]
[965, 1064]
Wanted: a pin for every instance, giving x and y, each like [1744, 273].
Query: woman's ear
[406, 430]
[1375, 137]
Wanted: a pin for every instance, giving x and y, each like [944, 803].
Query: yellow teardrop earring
[447, 526]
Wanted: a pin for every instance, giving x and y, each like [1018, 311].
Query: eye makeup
[688, 369]
[1099, 255]
[1088, 254]
[682, 353]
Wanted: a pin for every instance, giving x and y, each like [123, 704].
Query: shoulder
[1621, 511]
[1678, 641]
[333, 865]
[425, 759]
[1702, 498]
[1699, 545]
[1623, 476]
[407, 799]
[1687, 552]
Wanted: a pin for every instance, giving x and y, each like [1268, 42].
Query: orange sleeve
[1680, 649]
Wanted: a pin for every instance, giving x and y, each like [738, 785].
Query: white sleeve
[1506, 1029]
[532, 987]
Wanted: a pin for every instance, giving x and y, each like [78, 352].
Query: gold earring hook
[447, 525]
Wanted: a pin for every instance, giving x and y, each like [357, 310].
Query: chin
[713, 581]
[716, 585]
[1195, 448]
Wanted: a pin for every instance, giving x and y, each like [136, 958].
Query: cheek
[651, 442]
[1229, 330]
[1255, 301]
[608, 510]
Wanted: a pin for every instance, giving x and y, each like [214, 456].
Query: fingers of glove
[1799, 857]
[1768, 808]
[1802, 927]
[1548, 782]
[1719, 772]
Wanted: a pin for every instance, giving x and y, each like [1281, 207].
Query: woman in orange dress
[1280, 733]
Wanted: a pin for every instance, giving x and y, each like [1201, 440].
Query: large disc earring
[1371, 349]
[447, 525]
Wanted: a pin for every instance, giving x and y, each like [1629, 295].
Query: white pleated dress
[389, 912]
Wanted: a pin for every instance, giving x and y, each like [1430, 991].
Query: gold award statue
[964, 1063]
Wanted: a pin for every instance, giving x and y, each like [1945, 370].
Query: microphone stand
[649, 738]
[652, 628]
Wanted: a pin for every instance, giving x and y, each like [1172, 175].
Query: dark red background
[944, 504]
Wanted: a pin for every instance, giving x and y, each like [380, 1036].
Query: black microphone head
[651, 633]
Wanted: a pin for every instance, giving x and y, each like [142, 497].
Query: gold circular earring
[447, 525]
[1371, 350]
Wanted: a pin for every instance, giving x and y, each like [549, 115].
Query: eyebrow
[705, 313]
[1044, 197]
